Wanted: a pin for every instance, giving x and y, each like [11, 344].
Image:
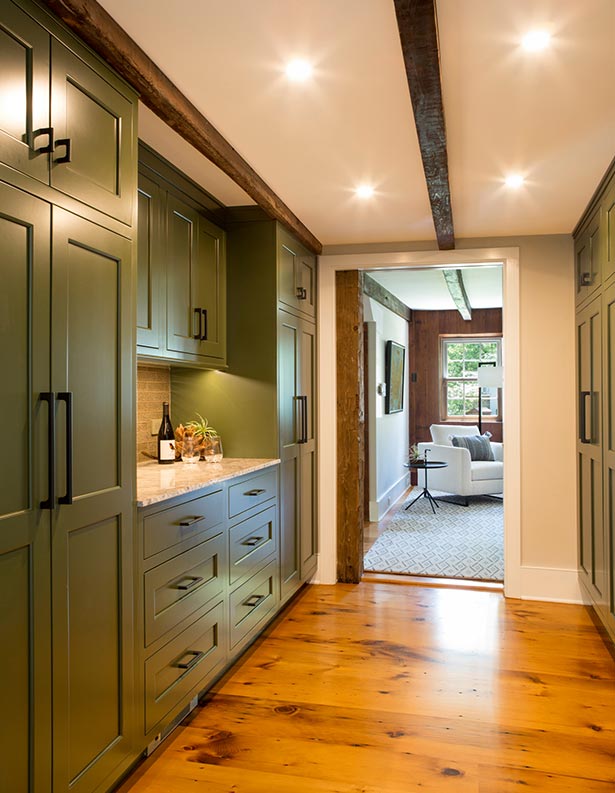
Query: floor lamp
[489, 376]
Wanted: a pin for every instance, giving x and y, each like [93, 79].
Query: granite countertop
[156, 483]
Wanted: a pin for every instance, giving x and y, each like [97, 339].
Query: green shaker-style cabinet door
[296, 275]
[308, 540]
[94, 126]
[592, 550]
[24, 111]
[150, 273]
[196, 283]
[25, 663]
[92, 610]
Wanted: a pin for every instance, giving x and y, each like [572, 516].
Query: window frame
[466, 338]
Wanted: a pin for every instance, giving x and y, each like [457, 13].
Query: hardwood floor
[382, 688]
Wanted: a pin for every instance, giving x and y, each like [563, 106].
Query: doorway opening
[433, 475]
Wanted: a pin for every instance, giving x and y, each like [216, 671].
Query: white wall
[388, 433]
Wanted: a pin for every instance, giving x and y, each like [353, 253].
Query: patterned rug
[456, 542]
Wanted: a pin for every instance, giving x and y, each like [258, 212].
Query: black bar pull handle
[66, 142]
[192, 582]
[583, 416]
[305, 419]
[198, 334]
[252, 541]
[191, 521]
[48, 131]
[67, 396]
[204, 333]
[301, 293]
[198, 656]
[49, 502]
[254, 600]
[255, 492]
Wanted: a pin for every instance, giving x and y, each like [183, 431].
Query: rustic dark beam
[418, 31]
[350, 425]
[100, 31]
[456, 287]
[373, 289]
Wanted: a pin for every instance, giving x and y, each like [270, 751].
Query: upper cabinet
[588, 257]
[296, 275]
[181, 279]
[67, 121]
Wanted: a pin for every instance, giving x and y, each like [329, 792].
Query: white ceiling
[426, 290]
[550, 115]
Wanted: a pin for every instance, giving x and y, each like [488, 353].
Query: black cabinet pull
[254, 600]
[197, 335]
[301, 293]
[192, 582]
[49, 502]
[191, 521]
[204, 333]
[252, 541]
[256, 492]
[66, 396]
[66, 142]
[198, 656]
[303, 438]
[583, 416]
[48, 149]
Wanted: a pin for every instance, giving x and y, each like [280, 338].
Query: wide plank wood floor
[384, 688]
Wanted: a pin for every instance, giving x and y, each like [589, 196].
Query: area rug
[456, 542]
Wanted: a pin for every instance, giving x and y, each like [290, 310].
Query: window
[460, 359]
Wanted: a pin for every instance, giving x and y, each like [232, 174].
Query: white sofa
[461, 477]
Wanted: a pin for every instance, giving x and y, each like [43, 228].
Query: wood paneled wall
[425, 331]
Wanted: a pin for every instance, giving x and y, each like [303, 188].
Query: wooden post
[350, 425]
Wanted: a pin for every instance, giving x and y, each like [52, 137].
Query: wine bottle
[166, 438]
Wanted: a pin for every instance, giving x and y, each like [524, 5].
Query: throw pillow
[479, 446]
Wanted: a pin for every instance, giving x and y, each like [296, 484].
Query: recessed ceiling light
[299, 70]
[514, 180]
[364, 191]
[536, 40]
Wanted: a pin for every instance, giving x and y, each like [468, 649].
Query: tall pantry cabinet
[67, 188]
[595, 289]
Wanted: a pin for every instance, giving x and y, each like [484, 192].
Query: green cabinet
[68, 122]
[296, 369]
[296, 275]
[595, 278]
[67, 510]
[181, 277]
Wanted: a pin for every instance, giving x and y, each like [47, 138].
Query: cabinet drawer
[171, 526]
[252, 602]
[181, 586]
[251, 542]
[253, 491]
[183, 664]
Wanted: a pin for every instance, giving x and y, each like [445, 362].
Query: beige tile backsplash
[153, 388]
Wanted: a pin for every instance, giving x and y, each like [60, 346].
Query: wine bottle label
[167, 450]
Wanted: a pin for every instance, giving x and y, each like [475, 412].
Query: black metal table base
[425, 494]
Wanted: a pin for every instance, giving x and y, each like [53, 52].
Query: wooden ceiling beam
[418, 32]
[456, 287]
[89, 20]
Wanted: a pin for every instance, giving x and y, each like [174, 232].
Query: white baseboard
[551, 584]
[378, 509]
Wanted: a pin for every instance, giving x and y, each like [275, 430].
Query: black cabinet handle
[254, 600]
[583, 416]
[303, 438]
[49, 502]
[252, 541]
[301, 293]
[66, 142]
[197, 335]
[48, 149]
[191, 521]
[198, 656]
[256, 492]
[192, 582]
[204, 333]
[66, 396]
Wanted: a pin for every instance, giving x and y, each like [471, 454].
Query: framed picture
[394, 360]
